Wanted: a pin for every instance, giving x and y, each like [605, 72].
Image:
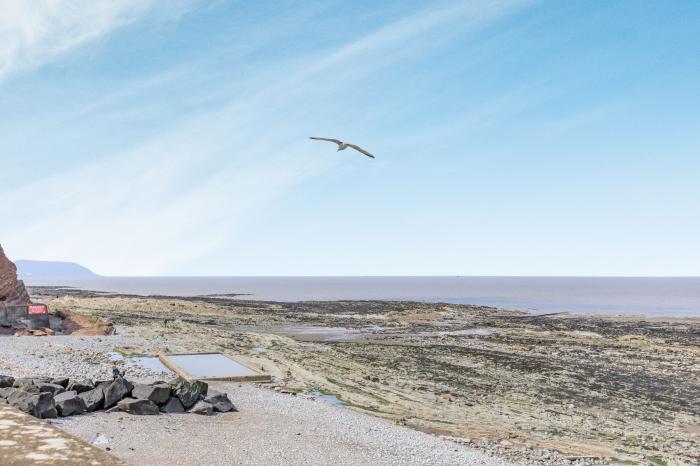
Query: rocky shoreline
[555, 389]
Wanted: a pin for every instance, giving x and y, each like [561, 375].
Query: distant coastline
[582, 295]
[31, 269]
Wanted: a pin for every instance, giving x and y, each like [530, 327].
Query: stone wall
[12, 291]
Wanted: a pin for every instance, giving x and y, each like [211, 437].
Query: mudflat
[547, 389]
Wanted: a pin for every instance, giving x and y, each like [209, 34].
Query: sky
[513, 137]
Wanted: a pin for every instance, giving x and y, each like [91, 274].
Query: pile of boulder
[52, 397]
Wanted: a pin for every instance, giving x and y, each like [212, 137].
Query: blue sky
[512, 137]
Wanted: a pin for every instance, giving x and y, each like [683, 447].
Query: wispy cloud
[189, 190]
[33, 32]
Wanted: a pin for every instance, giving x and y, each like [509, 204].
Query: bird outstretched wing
[327, 139]
[360, 149]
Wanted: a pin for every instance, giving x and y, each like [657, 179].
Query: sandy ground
[270, 428]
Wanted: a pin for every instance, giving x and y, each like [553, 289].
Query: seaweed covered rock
[191, 392]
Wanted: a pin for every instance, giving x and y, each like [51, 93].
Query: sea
[648, 296]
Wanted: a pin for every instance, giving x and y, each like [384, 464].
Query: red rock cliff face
[12, 291]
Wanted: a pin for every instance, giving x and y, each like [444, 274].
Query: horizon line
[371, 276]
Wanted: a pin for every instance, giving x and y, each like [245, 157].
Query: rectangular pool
[211, 366]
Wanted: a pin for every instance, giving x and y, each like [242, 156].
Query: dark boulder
[80, 386]
[62, 381]
[138, 407]
[202, 407]
[22, 400]
[69, 403]
[158, 394]
[52, 388]
[117, 390]
[201, 386]
[6, 381]
[219, 401]
[46, 406]
[26, 384]
[190, 392]
[173, 405]
[93, 399]
[39, 405]
[103, 383]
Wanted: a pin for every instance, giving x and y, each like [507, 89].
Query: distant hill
[52, 269]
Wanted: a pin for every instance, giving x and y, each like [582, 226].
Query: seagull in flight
[344, 145]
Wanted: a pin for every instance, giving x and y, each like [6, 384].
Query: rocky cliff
[12, 291]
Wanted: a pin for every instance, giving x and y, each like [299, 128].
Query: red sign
[36, 309]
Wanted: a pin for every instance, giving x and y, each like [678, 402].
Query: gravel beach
[270, 428]
[76, 356]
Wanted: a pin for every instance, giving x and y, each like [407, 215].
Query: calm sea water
[648, 296]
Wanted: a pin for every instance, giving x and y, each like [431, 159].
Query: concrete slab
[25, 440]
[211, 366]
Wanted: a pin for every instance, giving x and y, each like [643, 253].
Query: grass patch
[618, 460]
[364, 408]
[347, 402]
[344, 385]
[126, 355]
[276, 344]
[354, 389]
[658, 460]
[439, 421]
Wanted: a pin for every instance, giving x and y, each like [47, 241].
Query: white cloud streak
[33, 32]
[189, 190]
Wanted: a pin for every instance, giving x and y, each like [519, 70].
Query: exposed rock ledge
[12, 291]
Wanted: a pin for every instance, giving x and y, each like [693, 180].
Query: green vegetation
[658, 460]
[126, 355]
[618, 460]
[365, 408]
[354, 389]
[347, 402]
[276, 344]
